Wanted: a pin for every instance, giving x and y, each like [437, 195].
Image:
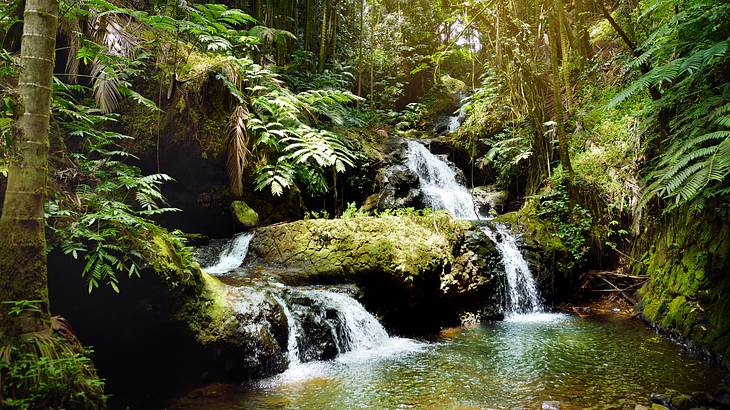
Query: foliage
[48, 369]
[105, 215]
[689, 53]
[572, 221]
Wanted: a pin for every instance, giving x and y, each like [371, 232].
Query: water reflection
[600, 362]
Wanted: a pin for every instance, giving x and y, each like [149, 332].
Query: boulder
[174, 326]
[417, 272]
[244, 215]
[488, 199]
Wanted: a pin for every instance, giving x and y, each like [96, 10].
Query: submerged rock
[417, 272]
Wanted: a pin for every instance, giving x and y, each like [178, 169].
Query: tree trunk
[23, 269]
[565, 49]
[359, 50]
[323, 36]
[557, 99]
[309, 25]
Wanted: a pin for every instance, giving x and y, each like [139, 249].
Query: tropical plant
[690, 160]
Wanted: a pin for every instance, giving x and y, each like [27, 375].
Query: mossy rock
[687, 258]
[244, 215]
[417, 272]
[173, 311]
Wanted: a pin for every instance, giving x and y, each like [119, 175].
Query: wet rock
[488, 199]
[399, 188]
[675, 400]
[320, 326]
[550, 405]
[244, 215]
[417, 272]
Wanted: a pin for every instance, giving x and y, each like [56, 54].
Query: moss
[244, 215]
[686, 258]
[401, 247]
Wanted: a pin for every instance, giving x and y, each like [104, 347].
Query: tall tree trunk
[309, 25]
[323, 36]
[584, 45]
[557, 98]
[23, 268]
[565, 49]
[333, 21]
[359, 50]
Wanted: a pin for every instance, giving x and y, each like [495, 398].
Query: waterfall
[439, 184]
[442, 190]
[361, 329]
[231, 256]
[293, 325]
[455, 121]
[522, 295]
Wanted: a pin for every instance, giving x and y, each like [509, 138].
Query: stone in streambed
[244, 215]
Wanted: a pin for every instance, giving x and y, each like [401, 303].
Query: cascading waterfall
[292, 347]
[361, 329]
[522, 295]
[439, 184]
[232, 256]
[453, 122]
[443, 191]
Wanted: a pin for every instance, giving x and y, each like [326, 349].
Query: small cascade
[522, 295]
[293, 325]
[349, 327]
[360, 329]
[439, 184]
[232, 255]
[454, 121]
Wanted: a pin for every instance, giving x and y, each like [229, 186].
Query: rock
[550, 405]
[488, 198]
[640, 407]
[399, 188]
[675, 400]
[417, 272]
[657, 406]
[244, 215]
[172, 326]
[196, 239]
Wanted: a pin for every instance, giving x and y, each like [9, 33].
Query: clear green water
[600, 362]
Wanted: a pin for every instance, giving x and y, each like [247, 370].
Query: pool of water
[598, 362]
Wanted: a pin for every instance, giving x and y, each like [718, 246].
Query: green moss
[687, 260]
[401, 247]
[244, 215]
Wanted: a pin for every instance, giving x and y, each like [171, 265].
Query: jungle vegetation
[608, 114]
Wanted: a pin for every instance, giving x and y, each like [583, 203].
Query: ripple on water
[598, 362]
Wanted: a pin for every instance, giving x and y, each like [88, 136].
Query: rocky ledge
[417, 272]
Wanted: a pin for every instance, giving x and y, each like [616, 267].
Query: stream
[532, 356]
[599, 362]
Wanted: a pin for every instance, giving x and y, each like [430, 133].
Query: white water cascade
[357, 334]
[291, 344]
[522, 295]
[439, 184]
[454, 121]
[232, 256]
[443, 191]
